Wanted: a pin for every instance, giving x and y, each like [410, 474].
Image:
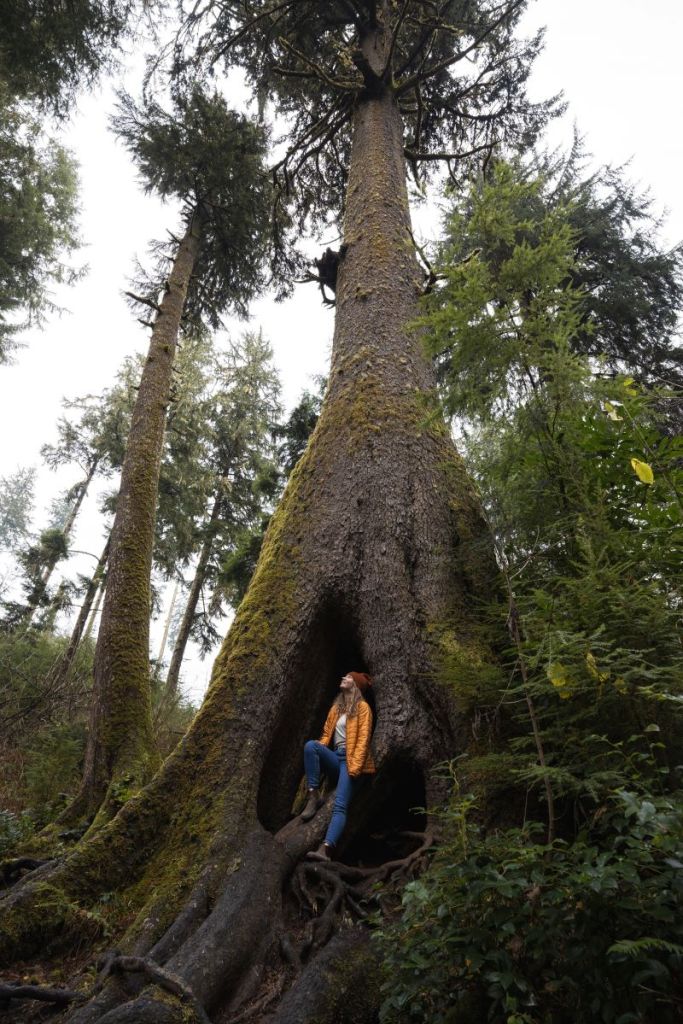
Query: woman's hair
[348, 700]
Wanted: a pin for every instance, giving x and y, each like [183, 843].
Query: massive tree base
[201, 874]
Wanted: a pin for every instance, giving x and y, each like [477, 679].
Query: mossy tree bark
[373, 558]
[120, 748]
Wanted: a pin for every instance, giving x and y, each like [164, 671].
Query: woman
[343, 754]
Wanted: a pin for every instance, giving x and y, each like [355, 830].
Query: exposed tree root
[154, 975]
[13, 870]
[41, 993]
[340, 986]
[260, 1005]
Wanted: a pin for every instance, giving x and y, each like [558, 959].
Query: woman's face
[347, 682]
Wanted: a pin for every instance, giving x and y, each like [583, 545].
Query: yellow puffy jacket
[359, 759]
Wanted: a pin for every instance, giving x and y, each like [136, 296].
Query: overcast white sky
[618, 63]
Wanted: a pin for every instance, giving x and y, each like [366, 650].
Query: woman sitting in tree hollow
[343, 754]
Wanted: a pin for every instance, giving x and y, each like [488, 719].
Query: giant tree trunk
[371, 562]
[120, 748]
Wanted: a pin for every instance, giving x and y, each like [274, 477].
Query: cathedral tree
[375, 560]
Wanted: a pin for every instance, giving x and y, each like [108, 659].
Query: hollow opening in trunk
[389, 806]
[332, 650]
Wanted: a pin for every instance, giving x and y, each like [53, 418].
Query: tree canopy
[49, 50]
[456, 68]
[212, 160]
[38, 220]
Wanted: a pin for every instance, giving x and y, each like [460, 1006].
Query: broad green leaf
[643, 471]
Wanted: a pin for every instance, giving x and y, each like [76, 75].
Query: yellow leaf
[557, 674]
[612, 412]
[643, 471]
[620, 684]
[592, 666]
[628, 384]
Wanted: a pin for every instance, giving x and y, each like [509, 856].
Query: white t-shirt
[340, 732]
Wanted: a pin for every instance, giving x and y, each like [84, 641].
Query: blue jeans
[318, 757]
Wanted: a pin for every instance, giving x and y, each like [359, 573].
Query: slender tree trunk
[171, 689]
[374, 560]
[41, 586]
[60, 670]
[167, 624]
[95, 609]
[120, 745]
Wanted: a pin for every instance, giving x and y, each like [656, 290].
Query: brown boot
[312, 804]
[324, 852]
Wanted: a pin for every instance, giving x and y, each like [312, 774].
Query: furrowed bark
[120, 746]
[374, 559]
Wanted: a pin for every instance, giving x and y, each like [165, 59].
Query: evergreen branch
[247, 28]
[412, 155]
[316, 69]
[333, 129]
[308, 135]
[422, 42]
[447, 62]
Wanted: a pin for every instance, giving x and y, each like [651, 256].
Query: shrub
[536, 934]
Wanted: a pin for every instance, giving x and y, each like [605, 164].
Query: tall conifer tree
[377, 555]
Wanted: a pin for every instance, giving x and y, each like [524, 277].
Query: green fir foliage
[48, 50]
[38, 212]
[212, 160]
[569, 907]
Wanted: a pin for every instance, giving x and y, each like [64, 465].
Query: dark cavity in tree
[332, 650]
[385, 815]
